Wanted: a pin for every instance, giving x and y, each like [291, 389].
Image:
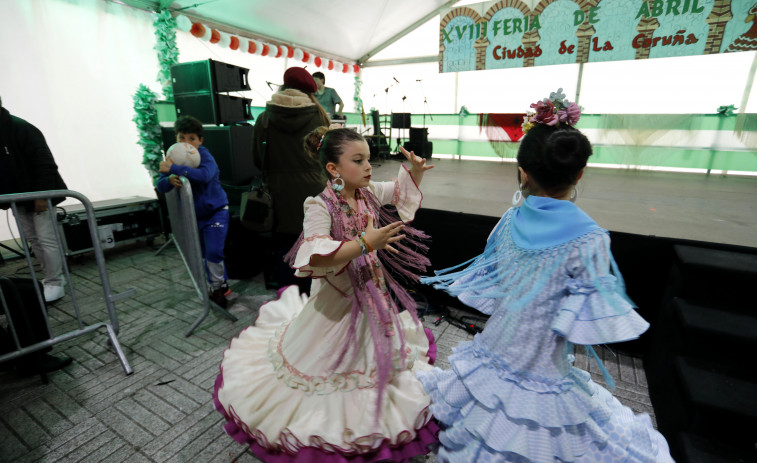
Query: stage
[715, 208]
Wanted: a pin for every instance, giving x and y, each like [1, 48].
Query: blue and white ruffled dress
[548, 280]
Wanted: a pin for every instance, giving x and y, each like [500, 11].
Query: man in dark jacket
[291, 174]
[26, 165]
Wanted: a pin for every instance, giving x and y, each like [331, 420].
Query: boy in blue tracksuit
[210, 201]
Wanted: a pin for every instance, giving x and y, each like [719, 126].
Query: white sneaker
[53, 293]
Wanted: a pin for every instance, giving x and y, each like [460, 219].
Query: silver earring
[573, 195]
[517, 196]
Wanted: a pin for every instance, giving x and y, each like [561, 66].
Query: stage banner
[523, 33]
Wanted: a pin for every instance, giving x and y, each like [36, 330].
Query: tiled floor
[92, 412]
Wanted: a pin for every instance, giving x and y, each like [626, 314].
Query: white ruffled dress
[278, 389]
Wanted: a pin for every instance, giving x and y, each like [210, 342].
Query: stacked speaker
[200, 90]
[419, 143]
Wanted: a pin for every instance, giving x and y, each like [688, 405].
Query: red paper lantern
[215, 36]
[279, 51]
[234, 45]
[317, 61]
[356, 68]
[345, 68]
[266, 50]
[198, 30]
[331, 65]
[290, 52]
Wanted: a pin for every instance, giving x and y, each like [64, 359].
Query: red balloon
[305, 56]
[234, 45]
[331, 65]
[317, 61]
[290, 52]
[198, 30]
[356, 68]
[266, 50]
[279, 51]
[251, 47]
[215, 36]
[345, 68]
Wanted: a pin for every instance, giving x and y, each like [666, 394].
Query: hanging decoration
[256, 47]
[165, 46]
[148, 127]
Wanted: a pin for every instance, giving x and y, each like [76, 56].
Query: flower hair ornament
[552, 111]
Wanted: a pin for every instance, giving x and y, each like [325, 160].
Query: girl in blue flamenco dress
[549, 282]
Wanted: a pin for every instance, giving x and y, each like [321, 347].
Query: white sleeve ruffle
[403, 193]
[316, 240]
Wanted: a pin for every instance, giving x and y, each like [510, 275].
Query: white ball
[183, 23]
[184, 154]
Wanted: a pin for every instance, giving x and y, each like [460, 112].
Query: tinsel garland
[148, 126]
[165, 45]
[358, 101]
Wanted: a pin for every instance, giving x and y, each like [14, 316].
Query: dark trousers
[25, 311]
[282, 243]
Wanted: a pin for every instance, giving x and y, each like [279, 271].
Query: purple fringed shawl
[377, 295]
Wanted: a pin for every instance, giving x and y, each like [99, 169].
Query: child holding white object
[548, 280]
[332, 377]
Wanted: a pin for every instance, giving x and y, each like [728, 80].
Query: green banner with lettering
[523, 33]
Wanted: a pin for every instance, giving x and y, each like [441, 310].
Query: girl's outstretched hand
[418, 162]
[380, 238]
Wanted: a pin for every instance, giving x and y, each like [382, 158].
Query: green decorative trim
[150, 138]
[165, 46]
[356, 98]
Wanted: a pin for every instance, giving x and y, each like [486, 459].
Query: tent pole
[580, 78]
[459, 118]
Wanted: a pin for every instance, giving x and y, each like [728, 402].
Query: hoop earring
[337, 184]
[517, 196]
[573, 195]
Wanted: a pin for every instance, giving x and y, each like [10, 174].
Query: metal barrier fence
[110, 298]
[186, 236]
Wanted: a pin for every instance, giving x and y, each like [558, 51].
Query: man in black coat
[26, 164]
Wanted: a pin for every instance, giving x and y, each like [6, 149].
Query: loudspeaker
[422, 149]
[208, 76]
[418, 135]
[231, 147]
[213, 108]
[400, 120]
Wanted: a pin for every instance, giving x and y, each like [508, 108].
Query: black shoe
[219, 297]
[44, 363]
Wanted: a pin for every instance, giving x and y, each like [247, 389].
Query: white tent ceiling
[349, 30]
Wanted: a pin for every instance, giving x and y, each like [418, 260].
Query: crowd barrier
[186, 236]
[22, 320]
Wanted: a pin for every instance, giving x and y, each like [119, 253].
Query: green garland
[148, 126]
[146, 116]
[165, 45]
[356, 98]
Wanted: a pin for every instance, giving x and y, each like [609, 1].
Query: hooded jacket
[290, 172]
[26, 163]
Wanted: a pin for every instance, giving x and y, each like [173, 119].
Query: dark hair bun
[313, 140]
[554, 155]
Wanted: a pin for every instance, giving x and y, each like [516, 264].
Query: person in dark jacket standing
[26, 165]
[290, 173]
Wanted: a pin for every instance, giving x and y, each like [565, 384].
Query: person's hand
[418, 162]
[380, 238]
[175, 181]
[165, 166]
[40, 205]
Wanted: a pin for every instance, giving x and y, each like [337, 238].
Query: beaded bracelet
[361, 242]
[365, 241]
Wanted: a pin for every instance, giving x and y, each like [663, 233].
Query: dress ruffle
[594, 313]
[573, 419]
[286, 416]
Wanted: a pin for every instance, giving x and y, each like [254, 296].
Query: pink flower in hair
[545, 113]
[572, 114]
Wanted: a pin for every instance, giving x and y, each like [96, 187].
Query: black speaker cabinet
[418, 135]
[400, 120]
[231, 147]
[423, 149]
[213, 108]
[208, 76]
